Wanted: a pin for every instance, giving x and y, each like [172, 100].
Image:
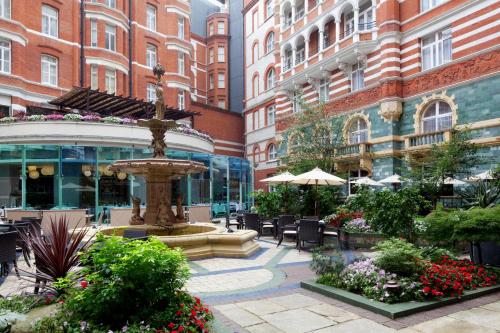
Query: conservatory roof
[103, 103]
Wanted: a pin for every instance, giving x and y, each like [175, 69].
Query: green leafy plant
[440, 223]
[479, 224]
[481, 194]
[435, 254]
[267, 203]
[399, 257]
[327, 260]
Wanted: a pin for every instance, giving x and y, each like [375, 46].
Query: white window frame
[219, 25]
[288, 61]
[5, 56]
[210, 29]
[272, 152]
[94, 77]
[151, 59]
[221, 56]
[270, 42]
[221, 104]
[426, 5]
[50, 21]
[269, 8]
[211, 55]
[300, 55]
[180, 27]
[110, 81]
[288, 19]
[151, 17]
[300, 12]
[296, 107]
[271, 115]
[5, 9]
[437, 118]
[221, 80]
[181, 63]
[50, 69]
[111, 3]
[438, 50]
[357, 133]
[270, 79]
[181, 99]
[357, 77]
[110, 37]
[324, 90]
[93, 33]
[151, 92]
[210, 81]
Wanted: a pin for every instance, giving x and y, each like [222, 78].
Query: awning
[103, 103]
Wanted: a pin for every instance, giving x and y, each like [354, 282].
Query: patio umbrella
[282, 178]
[453, 181]
[318, 177]
[394, 179]
[486, 175]
[366, 181]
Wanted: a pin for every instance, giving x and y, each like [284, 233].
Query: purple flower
[91, 117]
[54, 116]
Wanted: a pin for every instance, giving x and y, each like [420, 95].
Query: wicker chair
[23, 229]
[252, 222]
[286, 226]
[309, 232]
[8, 252]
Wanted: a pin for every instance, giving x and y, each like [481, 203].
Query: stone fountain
[159, 171]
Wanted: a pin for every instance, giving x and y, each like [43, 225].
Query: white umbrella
[486, 175]
[366, 181]
[452, 181]
[318, 177]
[282, 178]
[394, 179]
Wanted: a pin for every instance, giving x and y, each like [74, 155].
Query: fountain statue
[159, 171]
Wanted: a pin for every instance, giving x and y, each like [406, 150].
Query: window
[110, 81]
[270, 79]
[366, 19]
[255, 86]
[94, 77]
[151, 17]
[180, 27]
[300, 11]
[50, 17]
[220, 27]
[221, 82]
[111, 3]
[150, 56]
[357, 77]
[358, 131]
[271, 113]
[270, 42]
[288, 60]
[211, 81]
[272, 152]
[151, 92]
[349, 25]
[296, 102]
[49, 70]
[210, 29]
[324, 89]
[300, 55]
[5, 56]
[436, 49]
[255, 53]
[5, 9]
[180, 63]
[256, 155]
[288, 19]
[181, 103]
[211, 56]
[437, 117]
[220, 54]
[221, 104]
[110, 37]
[269, 8]
[428, 4]
[255, 20]
[93, 33]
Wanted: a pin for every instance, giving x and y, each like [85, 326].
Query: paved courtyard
[262, 294]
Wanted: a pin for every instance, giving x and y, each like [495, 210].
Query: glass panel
[200, 182]
[234, 184]
[42, 152]
[42, 185]
[78, 177]
[219, 186]
[10, 185]
[11, 152]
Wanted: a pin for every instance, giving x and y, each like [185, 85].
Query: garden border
[397, 310]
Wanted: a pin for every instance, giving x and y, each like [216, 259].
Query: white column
[294, 11]
[306, 51]
[282, 22]
[321, 37]
[337, 31]
[306, 7]
[294, 58]
[356, 19]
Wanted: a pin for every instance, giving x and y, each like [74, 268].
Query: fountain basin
[199, 240]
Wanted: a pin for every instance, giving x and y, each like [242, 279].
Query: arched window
[270, 79]
[255, 52]
[358, 131]
[272, 152]
[437, 117]
[270, 42]
[255, 86]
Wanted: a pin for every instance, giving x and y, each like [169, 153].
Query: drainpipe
[130, 47]
[82, 42]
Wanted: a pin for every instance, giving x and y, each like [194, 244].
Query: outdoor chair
[6, 228]
[8, 252]
[252, 222]
[310, 217]
[268, 224]
[309, 232]
[232, 221]
[286, 226]
[134, 234]
[23, 229]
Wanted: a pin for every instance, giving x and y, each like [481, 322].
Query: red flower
[193, 313]
[171, 325]
[84, 284]
[181, 328]
[197, 300]
[178, 313]
[426, 289]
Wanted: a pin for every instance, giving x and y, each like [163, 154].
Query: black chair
[8, 252]
[310, 217]
[309, 232]
[286, 226]
[23, 231]
[135, 234]
[6, 228]
[232, 221]
[252, 222]
[35, 224]
[267, 224]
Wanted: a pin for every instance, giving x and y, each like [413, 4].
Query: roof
[86, 99]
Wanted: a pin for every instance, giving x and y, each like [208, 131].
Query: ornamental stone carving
[391, 110]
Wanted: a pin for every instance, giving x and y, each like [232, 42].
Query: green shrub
[128, 281]
[435, 254]
[399, 257]
[440, 224]
[327, 261]
[479, 224]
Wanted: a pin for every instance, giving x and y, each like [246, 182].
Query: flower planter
[485, 253]
[354, 240]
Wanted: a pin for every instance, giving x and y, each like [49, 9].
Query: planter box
[396, 310]
[485, 253]
[354, 240]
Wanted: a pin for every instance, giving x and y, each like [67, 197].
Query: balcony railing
[427, 139]
[353, 149]
[367, 26]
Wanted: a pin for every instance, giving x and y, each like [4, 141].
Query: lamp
[121, 175]
[108, 172]
[34, 174]
[47, 170]
[31, 167]
[87, 170]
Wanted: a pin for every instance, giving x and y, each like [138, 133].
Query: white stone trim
[107, 63]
